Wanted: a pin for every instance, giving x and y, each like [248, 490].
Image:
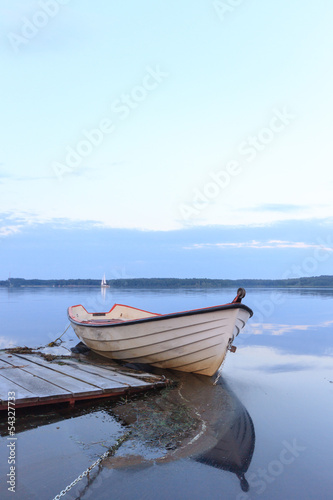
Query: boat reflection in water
[233, 452]
[196, 419]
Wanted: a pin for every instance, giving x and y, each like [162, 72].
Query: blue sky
[165, 138]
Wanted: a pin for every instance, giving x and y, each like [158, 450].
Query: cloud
[12, 223]
[261, 245]
[277, 207]
[9, 230]
[35, 246]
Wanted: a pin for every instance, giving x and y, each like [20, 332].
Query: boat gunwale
[159, 317]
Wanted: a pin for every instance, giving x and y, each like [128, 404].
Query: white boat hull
[194, 341]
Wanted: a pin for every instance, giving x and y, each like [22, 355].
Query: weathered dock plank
[33, 383]
[20, 393]
[123, 372]
[73, 371]
[37, 381]
[111, 374]
[94, 373]
[43, 382]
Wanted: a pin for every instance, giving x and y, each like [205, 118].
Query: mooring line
[108, 453]
[52, 344]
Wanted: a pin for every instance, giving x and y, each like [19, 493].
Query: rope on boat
[52, 344]
[111, 451]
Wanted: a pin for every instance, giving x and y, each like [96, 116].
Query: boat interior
[116, 314]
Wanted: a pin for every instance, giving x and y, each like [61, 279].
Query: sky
[166, 139]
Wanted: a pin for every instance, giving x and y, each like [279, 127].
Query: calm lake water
[264, 431]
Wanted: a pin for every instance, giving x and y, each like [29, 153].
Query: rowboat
[193, 341]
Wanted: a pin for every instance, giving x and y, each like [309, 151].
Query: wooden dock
[36, 381]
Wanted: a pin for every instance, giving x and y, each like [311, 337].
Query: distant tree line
[315, 281]
[154, 283]
[17, 282]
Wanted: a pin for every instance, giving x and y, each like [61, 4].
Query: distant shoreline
[158, 283]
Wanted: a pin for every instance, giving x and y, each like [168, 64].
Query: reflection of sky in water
[287, 389]
[278, 329]
[296, 338]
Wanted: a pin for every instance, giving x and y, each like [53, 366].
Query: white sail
[103, 282]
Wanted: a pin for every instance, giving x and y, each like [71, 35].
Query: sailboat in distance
[104, 283]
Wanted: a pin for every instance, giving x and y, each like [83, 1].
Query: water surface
[263, 431]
